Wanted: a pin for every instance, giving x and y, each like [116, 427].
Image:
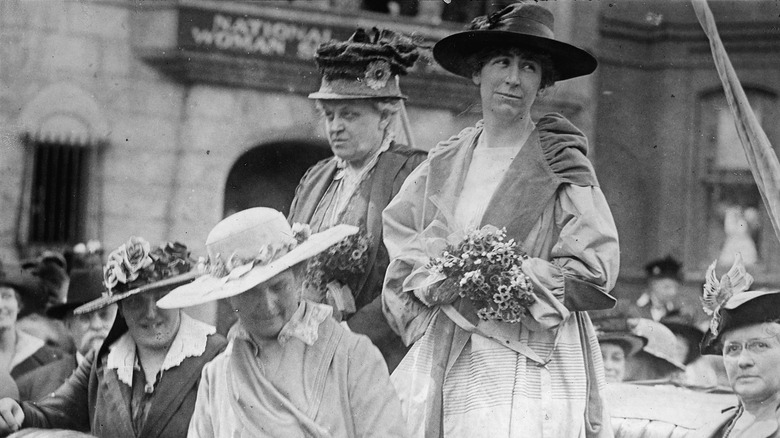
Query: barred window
[58, 193]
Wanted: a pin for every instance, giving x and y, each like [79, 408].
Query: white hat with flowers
[249, 248]
[136, 267]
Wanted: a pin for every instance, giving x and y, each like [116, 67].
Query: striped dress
[490, 390]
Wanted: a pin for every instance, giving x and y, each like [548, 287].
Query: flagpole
[759, 152]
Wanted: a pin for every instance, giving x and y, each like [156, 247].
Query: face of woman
[614, 362]
[150, 326]
[354, 129]
[9, 307]
[266, 308]
[508, 86]
[751, 355]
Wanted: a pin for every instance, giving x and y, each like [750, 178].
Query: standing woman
[542, 377]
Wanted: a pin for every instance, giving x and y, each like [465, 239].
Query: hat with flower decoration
[135, 267]
[732, 305]
[525, 25]
[366, 66]
[249, 248]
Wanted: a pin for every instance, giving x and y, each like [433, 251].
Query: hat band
[526, 26]
[236, 266]
[357, 88]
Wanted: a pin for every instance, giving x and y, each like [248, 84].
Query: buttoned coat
[46, 379]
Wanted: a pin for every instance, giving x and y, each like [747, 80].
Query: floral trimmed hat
[135, 267]
[366, 66]
[249, 248]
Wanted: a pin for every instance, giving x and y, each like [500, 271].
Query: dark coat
[41, 357]
[392, 168]
[93, 399]
[46, 379]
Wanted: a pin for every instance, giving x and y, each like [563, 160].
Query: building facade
[159, 118]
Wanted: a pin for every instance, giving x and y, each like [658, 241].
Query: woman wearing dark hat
[20, 352]
[617, 343]
[359, 100]
[468, 377]
[745, 331]
[143, 381]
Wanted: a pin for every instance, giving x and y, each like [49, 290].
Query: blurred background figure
[51, 271]
[664, 277]
[87, 331]
[699, 370]
[657, 360]
[617, 343]
[20, 352]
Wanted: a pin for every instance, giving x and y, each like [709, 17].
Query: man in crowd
[88, 331]
[663, 285]
[360, 102]
[291, 370]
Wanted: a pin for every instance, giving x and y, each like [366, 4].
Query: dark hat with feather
[366, 66]
[732, 305]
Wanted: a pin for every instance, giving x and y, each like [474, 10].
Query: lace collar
[304, 325]
[189, 341]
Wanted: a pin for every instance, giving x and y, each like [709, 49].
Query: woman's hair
[479, 59]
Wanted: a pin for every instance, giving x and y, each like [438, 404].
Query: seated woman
[143, 381]
[745, 332]
[617, 343]
[20, 352]
[291, 370]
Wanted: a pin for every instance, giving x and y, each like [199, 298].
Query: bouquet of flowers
[486, 269]
[336, 272]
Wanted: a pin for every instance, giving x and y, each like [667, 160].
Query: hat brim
[60, 311]
[633, 342]
[107, 300]
[453, 52]
[335, 96]
[743, 309]
[208, 288]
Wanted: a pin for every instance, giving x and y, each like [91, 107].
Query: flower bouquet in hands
[332, 275]
[486, 268]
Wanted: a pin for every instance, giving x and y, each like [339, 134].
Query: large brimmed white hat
[249, 248]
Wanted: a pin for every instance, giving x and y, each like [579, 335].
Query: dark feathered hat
[366, 66]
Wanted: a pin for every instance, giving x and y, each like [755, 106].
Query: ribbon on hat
[234, 266]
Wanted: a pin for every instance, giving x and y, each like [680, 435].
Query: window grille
[58, 193]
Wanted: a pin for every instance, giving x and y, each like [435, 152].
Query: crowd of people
[345, 328]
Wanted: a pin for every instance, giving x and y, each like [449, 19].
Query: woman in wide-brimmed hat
[143, 380]
[291, 369]
[469, 377]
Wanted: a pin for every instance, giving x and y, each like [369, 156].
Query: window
[733, 213]
[58, 191]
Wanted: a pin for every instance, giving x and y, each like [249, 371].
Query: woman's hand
[443, 292]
